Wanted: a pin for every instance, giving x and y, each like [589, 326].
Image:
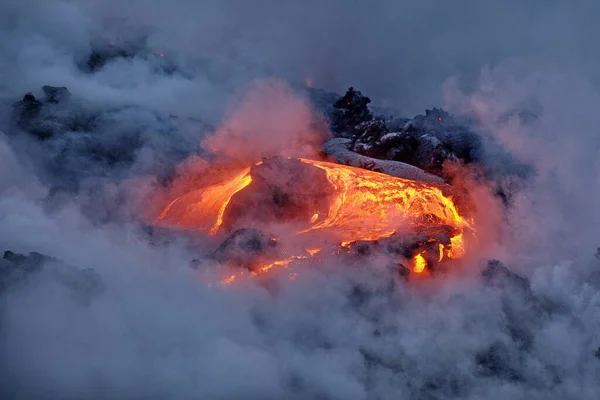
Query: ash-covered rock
[370, 132]
[15, 269]
[426, 141]
[339, 151]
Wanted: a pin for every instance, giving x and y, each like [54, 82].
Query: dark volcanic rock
[27, 109]
[498, 361]
[31, 263]
[524, 311]
[243, 246]
[47, 118]
[496, 274]
[427, 141]
[348, 112]
[104, 53]
[368, 133]
[74, 142]
[56, 94]
[16, 269]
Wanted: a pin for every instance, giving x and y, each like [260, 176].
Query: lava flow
[368, 205]
[203, 209]
[360, 205]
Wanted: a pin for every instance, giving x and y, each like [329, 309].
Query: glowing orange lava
[202, 209]
[368, 205]
[363, 205]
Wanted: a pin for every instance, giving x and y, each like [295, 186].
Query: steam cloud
[338, 332]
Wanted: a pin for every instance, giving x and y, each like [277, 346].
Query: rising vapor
[109, 111]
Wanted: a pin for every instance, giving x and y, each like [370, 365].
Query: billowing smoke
[160, 94]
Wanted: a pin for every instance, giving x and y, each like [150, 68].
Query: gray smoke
[153, 330]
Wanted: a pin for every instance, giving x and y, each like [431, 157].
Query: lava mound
[327, 205]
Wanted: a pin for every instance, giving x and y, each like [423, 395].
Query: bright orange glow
[457, 247]
[312, 252]
[368, 205]
[314, 218]
[419, 263]
[228, 280]
[202, 209]
[363, 205]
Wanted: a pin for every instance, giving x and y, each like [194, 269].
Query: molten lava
[203, 209]
[363, 205]
[368, 205]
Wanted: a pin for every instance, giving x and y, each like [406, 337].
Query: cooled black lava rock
[426, 141]
[105, 52]
[49, 117]
[55, 94]
[71, 141]
[369, 132]
[15, 269]
[27, 109]
[243, 246]
[524, 311]
[348, 112]
[496, 274]
[23, 264]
